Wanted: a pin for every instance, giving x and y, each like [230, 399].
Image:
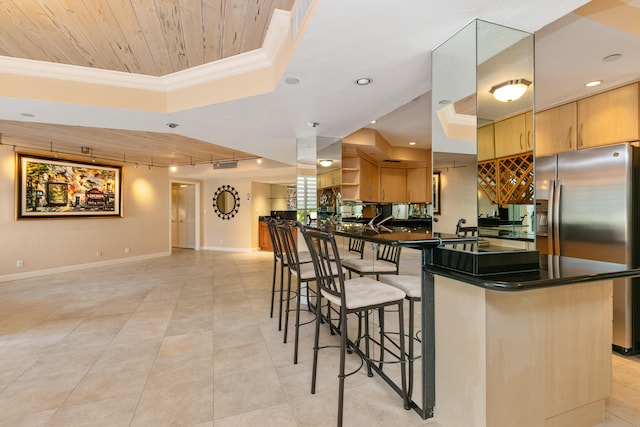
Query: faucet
[376, 227]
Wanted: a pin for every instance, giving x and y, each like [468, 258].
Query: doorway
[184, 215]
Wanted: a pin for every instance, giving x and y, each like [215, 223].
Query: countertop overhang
[553, 271]
[532, 270]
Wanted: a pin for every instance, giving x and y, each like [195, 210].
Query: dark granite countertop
[505, 269]
[416, 237]
[552, 271]
[501, 269]
[507, 233]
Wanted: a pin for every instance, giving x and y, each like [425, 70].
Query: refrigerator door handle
[550, 222]
[556, 217]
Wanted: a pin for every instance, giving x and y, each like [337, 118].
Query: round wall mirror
[226, 202]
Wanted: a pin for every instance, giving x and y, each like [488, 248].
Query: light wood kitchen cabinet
[264, 240]
[393, 185]
[556, 130]
[417, 185]
[511, 136]
[609, 117]
[528, 130]
[486, 143]
[606, 118]
[329, 179]
[359, 179]
[369, 182]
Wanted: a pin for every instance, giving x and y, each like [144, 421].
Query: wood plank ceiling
[151, 37]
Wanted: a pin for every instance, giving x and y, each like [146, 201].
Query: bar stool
[350, 296]
[354, 250]
[386, 261]
[412, 287]
[279, 258]
[304, 273]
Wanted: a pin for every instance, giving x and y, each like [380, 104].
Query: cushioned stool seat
[412, 287]
[386, 261]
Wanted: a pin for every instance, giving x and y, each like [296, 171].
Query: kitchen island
[511, 343]
[525, 348]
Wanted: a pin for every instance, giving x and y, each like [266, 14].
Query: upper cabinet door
[556, 130]
[417, 185]
[393, 185]
[609, 117]
[486, 147]
[368, 181]
[528, 130]
[510, 136]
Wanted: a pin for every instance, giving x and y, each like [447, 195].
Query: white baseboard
[44, 272]
[226, 249]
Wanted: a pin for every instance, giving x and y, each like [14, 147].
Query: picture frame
[436, 193]
[57, 188]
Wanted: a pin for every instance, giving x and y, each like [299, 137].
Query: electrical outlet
[126, 251]
[19, 263]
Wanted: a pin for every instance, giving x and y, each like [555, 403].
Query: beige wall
[239, 233]
[227, 234]
[458, 193]
[47, 245]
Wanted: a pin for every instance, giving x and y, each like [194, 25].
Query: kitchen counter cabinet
[417, 187]
[556, 130]
[264, 240]
[609, 117]
[529, 359]
[540, 340]
[527, 348]
[393, 185]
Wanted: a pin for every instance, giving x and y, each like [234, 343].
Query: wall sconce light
[326, 163]
[510, 90]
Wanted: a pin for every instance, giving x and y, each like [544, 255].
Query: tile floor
[185, 340]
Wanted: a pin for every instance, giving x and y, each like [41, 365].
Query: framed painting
[55, 188]
[436, 193]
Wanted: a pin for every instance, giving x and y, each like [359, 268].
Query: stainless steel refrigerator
[585, 208]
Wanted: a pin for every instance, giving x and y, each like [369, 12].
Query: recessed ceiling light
[412, 143]
[291, 81]
[27, 115]
[372, 122]
[363, 81]
[172, 125]
[612, 57]
[593, 83]
[444, 102]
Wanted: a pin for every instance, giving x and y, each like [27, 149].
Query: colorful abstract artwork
[49, 188]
